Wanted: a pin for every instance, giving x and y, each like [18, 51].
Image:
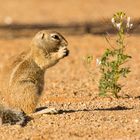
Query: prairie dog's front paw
[62, 52]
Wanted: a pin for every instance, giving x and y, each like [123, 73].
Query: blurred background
[70, 16]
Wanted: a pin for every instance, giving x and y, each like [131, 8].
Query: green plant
[111, 62]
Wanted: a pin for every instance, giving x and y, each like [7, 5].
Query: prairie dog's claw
[62, 52]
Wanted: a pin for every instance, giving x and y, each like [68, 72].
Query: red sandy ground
[69, 88]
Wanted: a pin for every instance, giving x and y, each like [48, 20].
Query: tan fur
[22, 78]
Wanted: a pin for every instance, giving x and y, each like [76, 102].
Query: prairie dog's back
[9, 66]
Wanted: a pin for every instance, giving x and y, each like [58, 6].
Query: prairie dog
[22, 78]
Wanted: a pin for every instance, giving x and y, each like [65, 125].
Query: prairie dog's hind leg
[27, 97]
[46, 111]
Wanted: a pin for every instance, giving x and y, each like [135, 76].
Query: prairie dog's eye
[56, 37]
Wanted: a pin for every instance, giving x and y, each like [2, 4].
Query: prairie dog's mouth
[66, 49]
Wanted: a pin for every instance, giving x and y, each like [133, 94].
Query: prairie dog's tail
[12, 116]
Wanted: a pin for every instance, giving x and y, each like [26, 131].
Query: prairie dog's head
[50, 41]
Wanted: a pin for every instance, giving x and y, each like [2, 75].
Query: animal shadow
[137, 97]
[117, 108]
[64, 111]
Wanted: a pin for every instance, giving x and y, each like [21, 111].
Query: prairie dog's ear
[39, 39]
[42, 35]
